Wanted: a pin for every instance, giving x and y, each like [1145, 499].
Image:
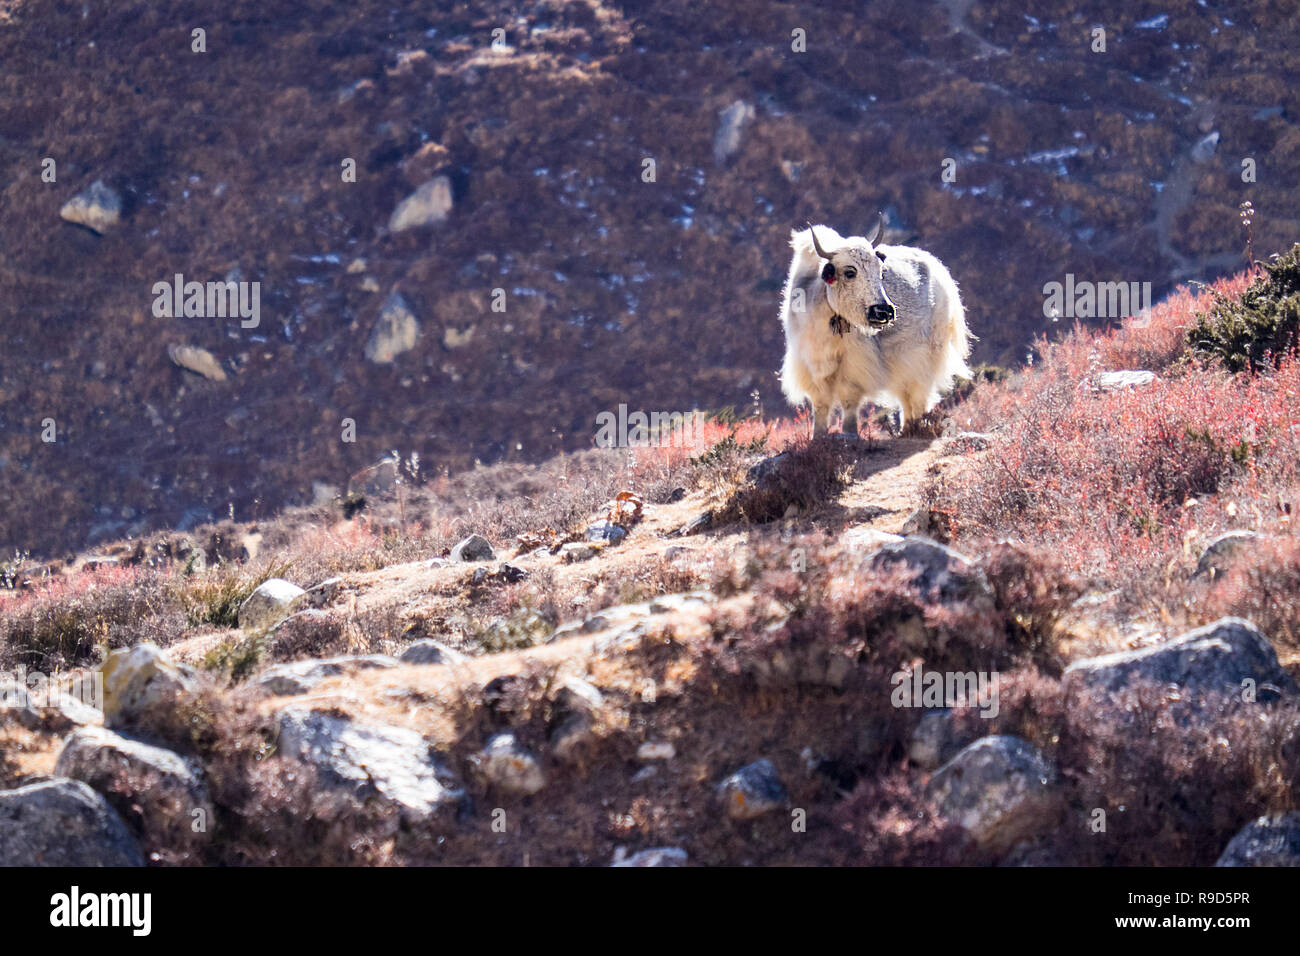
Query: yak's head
[855, 289]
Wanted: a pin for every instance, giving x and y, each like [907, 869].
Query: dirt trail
[886, 488]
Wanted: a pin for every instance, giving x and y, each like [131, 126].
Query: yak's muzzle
[880, 315]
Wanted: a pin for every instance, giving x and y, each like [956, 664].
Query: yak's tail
[954, 344]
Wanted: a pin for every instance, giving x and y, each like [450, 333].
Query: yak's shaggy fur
[834, 354]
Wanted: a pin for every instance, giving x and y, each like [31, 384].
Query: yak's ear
[880, 255]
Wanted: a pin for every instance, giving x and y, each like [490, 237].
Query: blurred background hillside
[531, 147]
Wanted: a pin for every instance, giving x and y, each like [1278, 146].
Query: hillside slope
[1122, 166]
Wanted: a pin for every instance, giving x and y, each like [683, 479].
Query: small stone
[98, 207]
[1117, 381]
[753, 790]
[509, 767]
[572, 736]
[197, 360]
[577, 551]
[935, 740]
[454, 339]
[659, 856]
[474, 548]
[394, 332]
[656, 751]
[606, 531]
[299, 677]
[427, 206]
[730, 123]
[578, 694]
[937, 570]
[271, 602]
[431, 652]
[1206, 147]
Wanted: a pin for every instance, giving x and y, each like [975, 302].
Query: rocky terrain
[498, 146]
[760, 649]
[658, 732]
[333, 574]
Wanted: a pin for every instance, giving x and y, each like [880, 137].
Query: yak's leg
[911, 411]
[851, 416]
[821, 414]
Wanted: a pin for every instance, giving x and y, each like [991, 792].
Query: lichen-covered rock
[299, 677]
[936, 570]
[1272, 840]
[371, 761]
[753, 790]
[63, 823]
[1001, 790]
[474, 548]
[269, 604]
[1218, 657]
[163, 792]
[936, 740]
[507, 766]
[97, 207]
[141, 681]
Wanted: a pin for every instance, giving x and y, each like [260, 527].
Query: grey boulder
[63, 823]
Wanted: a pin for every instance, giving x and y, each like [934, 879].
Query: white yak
[869, 322]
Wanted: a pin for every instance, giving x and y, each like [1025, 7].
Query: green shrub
[1250, 332]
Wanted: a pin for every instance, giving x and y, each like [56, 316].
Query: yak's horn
[817, 245]
[880, 229]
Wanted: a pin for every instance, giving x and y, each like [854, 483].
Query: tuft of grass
[807, 475]
[216, 597]
[71, 622]
[1254, 330]
[237, 658]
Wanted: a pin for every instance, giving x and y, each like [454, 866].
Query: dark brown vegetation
[544, 142]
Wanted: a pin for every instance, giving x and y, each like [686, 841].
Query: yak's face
[855, 288]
